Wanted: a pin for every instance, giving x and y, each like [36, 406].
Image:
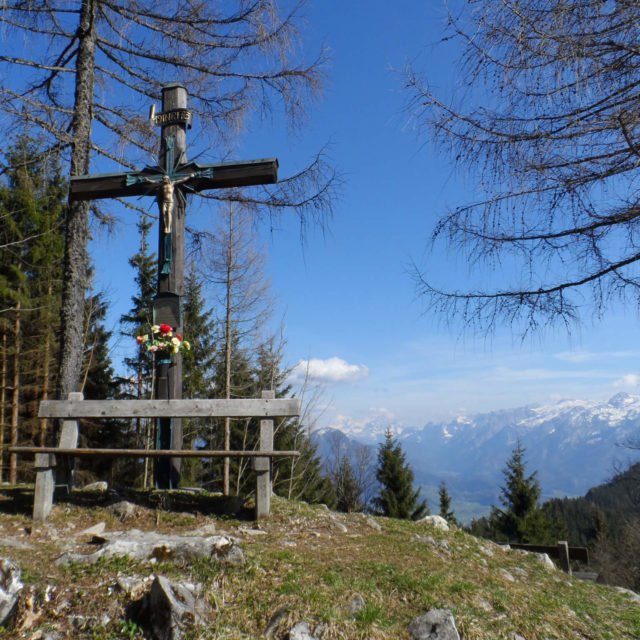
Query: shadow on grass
[18, 500]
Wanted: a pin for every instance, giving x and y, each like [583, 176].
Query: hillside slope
[307, 564]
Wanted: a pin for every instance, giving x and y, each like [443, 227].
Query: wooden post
[173, 151]
[68, 440]
[45, 485]
[563, 555]
[262, 466]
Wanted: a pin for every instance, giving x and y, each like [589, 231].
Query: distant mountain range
[572, 444]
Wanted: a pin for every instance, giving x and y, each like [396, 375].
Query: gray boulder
[96, 487]
[437, 624]
[123, 510]
[356, 605]
[169, 610]
[437, 522]
[301, 631]
[10, 588]
[141, 545]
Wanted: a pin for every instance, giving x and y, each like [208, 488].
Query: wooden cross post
[170, 182]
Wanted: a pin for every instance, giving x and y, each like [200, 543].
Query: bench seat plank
[236, 408]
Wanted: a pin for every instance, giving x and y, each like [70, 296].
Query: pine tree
[397, 497]
[139, 317]
[347, 488]
[133, 323]
[520, 519]
[31, 210]
[198, 369]
[445, 504]
[98, 382]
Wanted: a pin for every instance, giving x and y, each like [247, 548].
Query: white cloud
[578, 357]
[629, 380]
[329, 370]
[575, 356]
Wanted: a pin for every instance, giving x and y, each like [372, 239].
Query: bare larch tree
[80, 75]
[546, 121]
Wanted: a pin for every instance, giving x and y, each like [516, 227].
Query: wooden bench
[561, 552]
[75, 407]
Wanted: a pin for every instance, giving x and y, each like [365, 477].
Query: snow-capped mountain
[369, 431]
[572, 444]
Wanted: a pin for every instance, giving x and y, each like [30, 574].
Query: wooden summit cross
[170, 182]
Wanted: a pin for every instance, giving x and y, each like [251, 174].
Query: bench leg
[68, 440]
[262, 466]
[563, 554]
[45, 485]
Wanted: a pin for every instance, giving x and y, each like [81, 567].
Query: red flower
[165, 328]
[179, 337]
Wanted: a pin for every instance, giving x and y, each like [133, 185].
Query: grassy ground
[303, 565]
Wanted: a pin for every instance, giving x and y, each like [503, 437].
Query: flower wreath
[163, 338]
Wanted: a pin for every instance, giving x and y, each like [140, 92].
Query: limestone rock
[301, 631]
[123, 510]
[632, 594]
[171, 609]
[336, 524]
[372, 524]
[97, 487]
[356, 605]
[10, 588]
[507, 576]
[435, 521]
[276, 619]
[430, 540]
[547, 561]
[140, 545]
[95, 530]
[133, 586]
[436, 624]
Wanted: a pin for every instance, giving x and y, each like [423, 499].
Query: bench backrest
[236, 408]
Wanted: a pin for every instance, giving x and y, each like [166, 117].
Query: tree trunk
[46, 364]
[76, 228]
[3, 391]
[227, 354]
[15, 397]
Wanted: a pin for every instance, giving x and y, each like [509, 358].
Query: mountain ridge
[572, 444]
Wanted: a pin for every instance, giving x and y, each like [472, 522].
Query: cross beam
[145, 182]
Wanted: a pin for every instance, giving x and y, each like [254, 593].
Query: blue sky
[346, 297]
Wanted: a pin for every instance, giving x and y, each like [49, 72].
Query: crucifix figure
[166, 200]
[170, 182]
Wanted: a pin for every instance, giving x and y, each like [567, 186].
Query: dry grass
[304, 566]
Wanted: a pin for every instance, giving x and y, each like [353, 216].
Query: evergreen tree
[347, 488]
[98, 382]
[31, 210]
[198, 364]
[198, 370]
[520, 519]
[397, 497]
[296, 478]
[133, 323]
[445, 504]
[139, 317]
